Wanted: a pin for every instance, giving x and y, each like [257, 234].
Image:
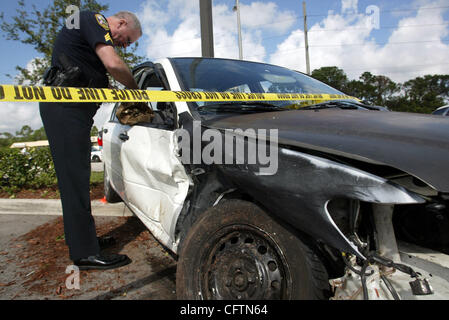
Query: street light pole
[237, 8]
[306, 39]
[207, 31]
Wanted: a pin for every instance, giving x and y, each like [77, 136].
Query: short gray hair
[130, 18]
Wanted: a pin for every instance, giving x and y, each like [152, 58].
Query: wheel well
[234, 214]
[330, 257]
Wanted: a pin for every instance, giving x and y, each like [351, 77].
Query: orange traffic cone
[104, 200]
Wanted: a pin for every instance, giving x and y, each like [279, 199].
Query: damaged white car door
[155, 183]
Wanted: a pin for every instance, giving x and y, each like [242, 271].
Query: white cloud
[184, 39]
[349, 6]
[173, 29]
[267, 17]
[16, 115]
[409, 52]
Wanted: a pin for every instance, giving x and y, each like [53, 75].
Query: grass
[96, 178]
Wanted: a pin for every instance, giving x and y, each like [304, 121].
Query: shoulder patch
[102, 21]
[107, 37]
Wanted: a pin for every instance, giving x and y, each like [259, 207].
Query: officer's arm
[115, 65]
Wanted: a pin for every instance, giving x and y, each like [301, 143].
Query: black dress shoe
[105, 241]
[102, 262]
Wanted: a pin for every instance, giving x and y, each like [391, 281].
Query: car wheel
[109, 193]
[95, 159]
[237, 251]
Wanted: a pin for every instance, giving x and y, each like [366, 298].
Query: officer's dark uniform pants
[68, 129]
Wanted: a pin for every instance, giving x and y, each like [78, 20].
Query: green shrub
[33, 170]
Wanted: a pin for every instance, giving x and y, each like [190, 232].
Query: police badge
[102, 22]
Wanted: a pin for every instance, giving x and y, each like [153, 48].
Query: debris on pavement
[34, 265]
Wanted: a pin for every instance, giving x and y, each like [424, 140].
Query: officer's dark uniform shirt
[79, 46]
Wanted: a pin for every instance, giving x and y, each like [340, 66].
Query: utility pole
[306, 39]
[207, 31]
[239, 28]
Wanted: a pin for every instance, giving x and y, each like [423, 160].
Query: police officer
[82, 57]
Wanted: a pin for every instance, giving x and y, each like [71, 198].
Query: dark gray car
[280, 199]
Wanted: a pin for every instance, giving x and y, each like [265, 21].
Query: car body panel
[112, 146]
[300, 195]
[152, 181]
[155, 181]
[414, 143]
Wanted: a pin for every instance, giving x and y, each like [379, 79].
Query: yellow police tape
[12, 93]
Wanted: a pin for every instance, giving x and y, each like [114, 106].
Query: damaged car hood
[414, 143]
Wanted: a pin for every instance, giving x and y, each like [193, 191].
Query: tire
[95, 159]
[109, 193]
[237, 251]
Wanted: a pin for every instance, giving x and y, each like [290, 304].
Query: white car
[96, 154]
[311, 203]
[442, 111]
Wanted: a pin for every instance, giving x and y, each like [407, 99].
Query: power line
[344, 45]
[329, 30]
[312, 31]
[384, 43]
[380, 11]
[400, 67]
[313, 46]
[348, 29]
[323, 46]
[387, 27]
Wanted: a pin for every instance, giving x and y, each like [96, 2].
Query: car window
[154, 105]
[202, 74]
[440, 112]
[164, 113]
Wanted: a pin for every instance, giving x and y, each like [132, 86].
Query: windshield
[222, 75]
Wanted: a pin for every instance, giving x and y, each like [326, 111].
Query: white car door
[154, 179]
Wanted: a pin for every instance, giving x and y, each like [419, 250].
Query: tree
[422, 94]
[427, 93]
[38, 134]
[332, 76]
[94, 131]
[28, 134]
[6, 139]
[375, 89]
[39, 28]
[25, 132]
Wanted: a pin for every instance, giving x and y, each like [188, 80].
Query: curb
[52, 207]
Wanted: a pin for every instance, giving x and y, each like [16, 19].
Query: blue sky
[400, 39]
